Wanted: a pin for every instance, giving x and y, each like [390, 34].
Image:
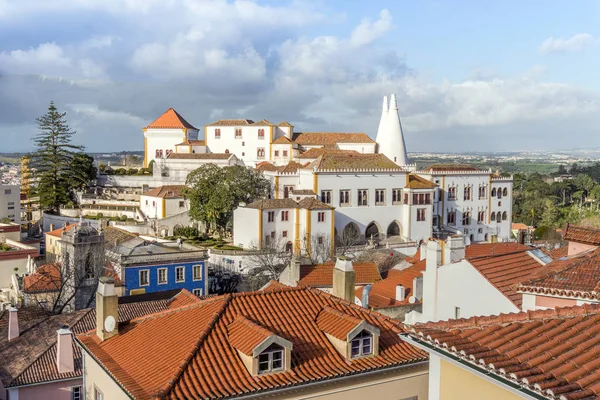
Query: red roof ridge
[484, 256]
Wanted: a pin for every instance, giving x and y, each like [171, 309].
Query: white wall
[364, 148]
[245, 227]
[280, 159]
[151, 206]
[10, 203]
[245, 148]
[502, 205]
[166, 139]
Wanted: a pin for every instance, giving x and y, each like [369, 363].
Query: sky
[470, 75]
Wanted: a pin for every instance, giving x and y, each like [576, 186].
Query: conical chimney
[390, 138]
[383, 119]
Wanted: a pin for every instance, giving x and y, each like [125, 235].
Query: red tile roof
[282, 140]
[338, 161]
[167, 191]
[200, 156]
[232, 122]
[329, 138]
[450, 167]
[383, 293]
[548, 353]
[47, 278]
[519, 226]
[336, 323]
[417, 182]
[316, 153]
[577, 276]
[560, 252]
[265, 166]
[322, 275]
[198, 361]
[504, 267]
[192, 143]
[58, 232]
[246, 335]
[582, 234]
[170, 119]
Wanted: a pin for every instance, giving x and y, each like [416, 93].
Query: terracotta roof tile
[246, 335]
[316, 153]
[322, 275]
[263, 122]
[282, 140]
[311, 203]
[268, 204]
[582, 234]
[231, 122]
[451, 167]
[329, 138]
[265, 166]
[170, 119]
[58, 232]
[549, 353]
[417, 182]
[557, 253]
[290, 167]
[336, 323]
[200, 156]
[167, 191]
[303, 192]
[47, 278]
[519, 226]
[383, 293]
[198, 361]
[114, 236]
[337, 161]
[192, 143]
[286, 124]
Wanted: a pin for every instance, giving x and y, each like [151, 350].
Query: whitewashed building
[177, 166]
[163, 202]
[10, 203]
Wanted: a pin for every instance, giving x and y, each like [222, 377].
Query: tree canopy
[214, 192]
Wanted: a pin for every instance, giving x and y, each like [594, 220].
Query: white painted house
[163, 202]
[10, 203]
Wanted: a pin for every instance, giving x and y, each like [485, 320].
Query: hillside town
[243, 199]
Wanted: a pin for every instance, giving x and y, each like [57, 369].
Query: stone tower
[390, 139]
[83, 260]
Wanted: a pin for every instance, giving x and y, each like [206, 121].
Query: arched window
[288, 247]
[217, 133]
[471, 238]
[498, 216]
[504, 216]
[493, 193]
[493, 216]
[505, 192]
[485, 237]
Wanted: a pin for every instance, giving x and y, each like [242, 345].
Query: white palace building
[356, 184]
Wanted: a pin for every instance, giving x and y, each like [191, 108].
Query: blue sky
[469, 75]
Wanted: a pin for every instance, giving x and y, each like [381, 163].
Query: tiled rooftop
[246, 335]
[582, 234]
[316, 153]
[32, 356]
[329, 138]
[170, 119]
[336, 161]
[577, 276]
[504, 265]
[322, 275]
[231, 122]
[48, 278]
[197, 359]
[549, 353]
[200, 156]
[450, 167]
[58, 232]
[282, 140]
[417, 182]
[167, 191]
[273, 204]
[336, 323]
[192, 143]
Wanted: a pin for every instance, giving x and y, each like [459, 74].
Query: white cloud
[574, 43]
[368, 31]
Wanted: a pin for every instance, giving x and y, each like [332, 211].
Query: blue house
[148, 266]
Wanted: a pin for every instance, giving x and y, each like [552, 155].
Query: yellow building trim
[332, 239]
[297, 231]
[205, 135]
[145, 152]
[184, 134]
[260, 228]
[190, 146]
[276, 187]
[443, 193]
[308, 232]
[490, 201]
[291, 152]
[164, 208]
[315, 184]
[270, 142]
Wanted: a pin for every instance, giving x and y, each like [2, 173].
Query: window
[321, 216]
[146, 202]
[11, 205]
[362, 344]
[288, 247]
[504, 216]
[197, 270]
[326, 196]
[456, 312]
[499, 193]
[144, 277]
[217, 134]
[9, 191]
[243, 154]
[451, 217]
[320, 240]
[162, 276]
[380, 197]
[197, 292]
[344, 198]
[271, 359]
[467, 193]
[180, 274]
[286, 191]
[159, 153]
[396, 196]
[181, 204]
[466, 219]
[260, 153]
[272, 234]
[285, 153]
[498, 216]
[98, 394]
[153, 204]
[493, 216]
[285, 215]
[243, 144]
[363, 197]
[76, 393]
[284, 234]
[482, 192]
[267, 240]
[238, 133]
[405, 198]
[270, 216]
[452, 193]
[480, 217]
[261, 133]
[494, 192]
[276, 153]
[421, 198]
[505, 192]
[421, 214]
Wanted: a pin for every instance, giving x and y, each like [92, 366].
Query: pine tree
[53, 159]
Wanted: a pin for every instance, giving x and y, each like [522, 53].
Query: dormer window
[271, 359]
[362, 344]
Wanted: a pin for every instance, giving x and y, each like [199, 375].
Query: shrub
[120, 171]
[102, 167]
[187, 231]
[124, 218]
[132, 171]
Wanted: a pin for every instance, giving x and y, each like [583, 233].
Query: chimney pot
[13, 323]
[344, 279]
[400, 292]
[64, 350]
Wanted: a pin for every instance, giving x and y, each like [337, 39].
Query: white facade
[163, 207]
[176, 170]
[251, 143]
[159, 143]
[10, 203]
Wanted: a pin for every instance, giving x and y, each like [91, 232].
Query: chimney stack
[400, 292]
[107, 303]
[365, 296]
[455, 249]
[64, 350]
[344, 279]
[294, 270]
[13, 323]
[423, 250]
[390, 139]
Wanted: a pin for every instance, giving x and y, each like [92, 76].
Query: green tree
[82, 172]
[53, 159]
[214, 192]
[551, 214]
